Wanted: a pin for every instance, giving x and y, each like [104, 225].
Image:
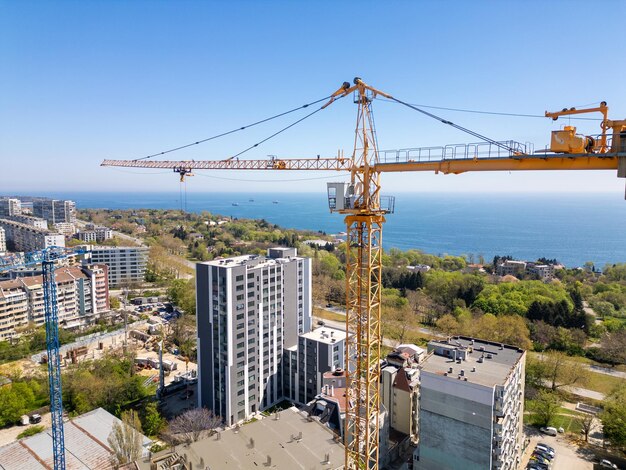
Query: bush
[30, 431]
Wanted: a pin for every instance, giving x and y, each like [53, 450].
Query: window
[240, 335]
[240, 354]
[240, 297]
[240, 345]
[239, 287]
[239, 278]
[240, 383]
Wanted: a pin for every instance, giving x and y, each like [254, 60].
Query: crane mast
[54, 358]
[364, 222]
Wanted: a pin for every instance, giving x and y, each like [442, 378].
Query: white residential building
[22, 237]
[511, 268]
[95, 234]
[82, 294]
[55, 211]
[3, 241]
[30, 220]
[10, 207]
[126, 264]
[249, 309]
[471, 406]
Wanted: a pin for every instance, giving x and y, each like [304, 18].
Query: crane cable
[237, 129]
[276, 133]
[456, 126]
[494, 113]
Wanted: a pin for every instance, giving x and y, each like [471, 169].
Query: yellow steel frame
[363, 279]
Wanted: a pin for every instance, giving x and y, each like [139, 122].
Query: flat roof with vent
[290, 442]
[481, 362]
[325, 334]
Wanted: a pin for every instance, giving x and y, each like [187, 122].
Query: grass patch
[326, 315]
[30, 431]
[602, 383]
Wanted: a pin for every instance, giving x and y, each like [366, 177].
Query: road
[581, 392]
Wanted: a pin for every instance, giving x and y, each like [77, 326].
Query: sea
[572, 228]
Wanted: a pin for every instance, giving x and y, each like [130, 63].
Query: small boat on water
[274, 202]
[235, 203]
[250, 200]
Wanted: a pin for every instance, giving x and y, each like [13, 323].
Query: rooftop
[485, 363]
[291, 442]
[86, 445]
[325, 334]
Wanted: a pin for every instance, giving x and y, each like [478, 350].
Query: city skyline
[117, 80]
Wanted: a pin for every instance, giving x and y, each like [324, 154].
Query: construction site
[337, 395]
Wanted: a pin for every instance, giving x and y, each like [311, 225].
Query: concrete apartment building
[82, 294]
[3, 241]
[23, 237]
[511, 268]
[471, 406]
[13, 308]
[10, 207]
[317, 352]
[55, 211]
[249, 309]
[94, 234]
[126, 264]
[30, 220]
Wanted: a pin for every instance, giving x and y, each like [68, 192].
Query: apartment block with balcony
[126, 264]
[249, 309]
[55, 211]
[10, 206]
[82, 294]
[13, 308]
[24, 237]
[319, 351]
[3, 241]
[471, 406]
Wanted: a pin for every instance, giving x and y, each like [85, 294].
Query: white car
[608, 464]
[550, 431]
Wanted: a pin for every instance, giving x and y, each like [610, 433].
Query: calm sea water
[571, 228]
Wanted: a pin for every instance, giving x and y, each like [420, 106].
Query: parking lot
[566, 457]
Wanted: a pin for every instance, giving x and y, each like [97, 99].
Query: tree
[561, 372]
[114, 302]
[546, 407]
[448, 324]
[153, 422]
[587, 425]
[126, 439]
[614, 417]
[189, 426]
[612, 347]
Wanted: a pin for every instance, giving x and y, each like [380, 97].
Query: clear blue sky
[83, 81]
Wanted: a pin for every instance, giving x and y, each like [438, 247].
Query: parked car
[320, 323]
[543, 444]
[543, 454]
[607, 464]
[536, 465]
[540, 458]
[545, 450]
[36, 418]
[550, 431]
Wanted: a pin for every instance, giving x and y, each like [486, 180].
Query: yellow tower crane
[365, 208]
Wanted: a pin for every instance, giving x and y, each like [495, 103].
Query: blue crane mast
[47, 259]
